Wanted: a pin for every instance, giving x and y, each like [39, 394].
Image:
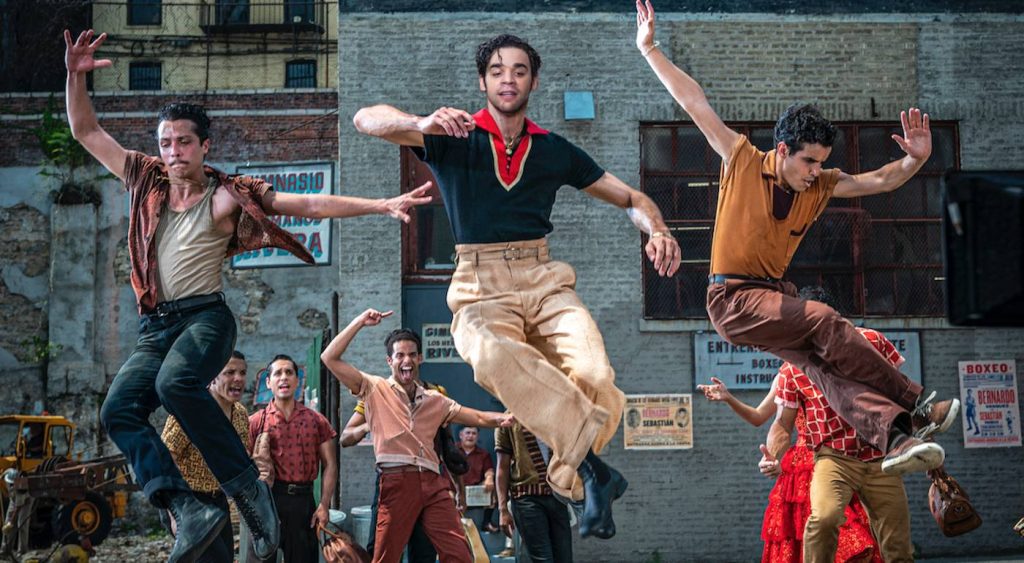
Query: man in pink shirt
[403, 418]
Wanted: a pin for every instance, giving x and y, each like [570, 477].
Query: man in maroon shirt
[301, 444]
[481, 470]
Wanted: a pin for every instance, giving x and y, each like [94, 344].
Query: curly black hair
[803, 124]
[487, 48]
[192, 112]
[400, 334]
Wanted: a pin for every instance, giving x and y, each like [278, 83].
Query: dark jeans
[174, 360]
[543, 524]
[420, 548]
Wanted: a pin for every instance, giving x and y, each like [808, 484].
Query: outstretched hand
[644, 26]
[399, 206]
[716, 391]
[372, 317]
[664, 253]
[769, 466]
[447, 121]
[79, 54]
[917, 134]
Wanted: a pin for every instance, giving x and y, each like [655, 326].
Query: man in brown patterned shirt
[226, 389]
[185, 219]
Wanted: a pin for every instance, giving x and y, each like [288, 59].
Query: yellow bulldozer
[47, 494]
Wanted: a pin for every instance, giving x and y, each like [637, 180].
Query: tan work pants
[836, 478]
[532, 344]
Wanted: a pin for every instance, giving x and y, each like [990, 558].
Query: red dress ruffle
[789, 505]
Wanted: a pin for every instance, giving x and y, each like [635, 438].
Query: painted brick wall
[704, 504]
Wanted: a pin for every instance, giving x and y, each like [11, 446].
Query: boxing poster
[989, 405]
[658, 422]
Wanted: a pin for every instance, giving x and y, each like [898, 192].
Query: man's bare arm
[346, 373]
[683, 88]
[394, 125]
[916, 142]
[328, 483]
[336, 206]
[504, 470]
[780, 435]
[485, 419]
[662, 249]
[85, 127]
[355, 430]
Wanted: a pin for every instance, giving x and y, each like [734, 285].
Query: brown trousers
[836, 478]
[532, 344]
[409, 496]
[865, 390]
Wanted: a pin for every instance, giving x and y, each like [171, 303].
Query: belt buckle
[292, 489]
[511, 253]
[164, 309]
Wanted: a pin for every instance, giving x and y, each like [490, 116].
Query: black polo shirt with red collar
[493, 197]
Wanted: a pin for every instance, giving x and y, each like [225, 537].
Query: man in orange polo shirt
[766, 203]
[403, 419]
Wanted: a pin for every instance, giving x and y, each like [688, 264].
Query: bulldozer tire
[50, 464]
[90, 518]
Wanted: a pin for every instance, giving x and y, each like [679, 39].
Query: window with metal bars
[144, 12]
[877, 256]
[144, 76]
[300, 74]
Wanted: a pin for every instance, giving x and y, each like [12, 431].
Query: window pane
[143, 12]
[232, 12]
[683, 198]
[300, 74]
[877, 147]
[435, 244]
[298, 11]
[943, 150]
[144, 76]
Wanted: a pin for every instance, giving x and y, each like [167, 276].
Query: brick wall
[706, 503]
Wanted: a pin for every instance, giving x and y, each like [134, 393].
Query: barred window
[144, 12]
[300, 74]
[144, 76]
[299, 11]
[877, 256]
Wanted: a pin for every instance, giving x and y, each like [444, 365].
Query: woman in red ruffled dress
[789, 502]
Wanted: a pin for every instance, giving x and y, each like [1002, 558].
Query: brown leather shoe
[929, 418]
[909, 454]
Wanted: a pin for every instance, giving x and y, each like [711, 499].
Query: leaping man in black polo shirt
[517, 319]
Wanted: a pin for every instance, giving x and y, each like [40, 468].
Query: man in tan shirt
[403, 419]
[766, 203]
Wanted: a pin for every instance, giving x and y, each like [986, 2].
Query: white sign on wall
[438, 344]
[746, 367]
[989, 403]
[314, 234]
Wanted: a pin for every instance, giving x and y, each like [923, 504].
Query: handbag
[339, 547]
[950, 505]
[476, 543]
[261, 453]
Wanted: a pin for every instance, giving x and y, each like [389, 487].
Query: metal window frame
[140, 65]
[131, 5]
[289, 65]
[851, 131]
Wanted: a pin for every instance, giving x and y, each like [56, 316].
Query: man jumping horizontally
[766, 203]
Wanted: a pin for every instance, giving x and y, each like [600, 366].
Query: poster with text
[439, 345]
[658, 422]
[989, 405]
[315, 234]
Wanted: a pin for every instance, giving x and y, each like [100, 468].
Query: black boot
[198, 525]
[256, 505]
[601, 485]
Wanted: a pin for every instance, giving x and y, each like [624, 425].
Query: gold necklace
[510, 146]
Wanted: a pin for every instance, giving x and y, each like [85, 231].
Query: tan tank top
[189, 250]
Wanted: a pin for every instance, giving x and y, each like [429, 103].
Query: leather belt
[186, 305]
[293, 488]
[402, 469]
[721, 278]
